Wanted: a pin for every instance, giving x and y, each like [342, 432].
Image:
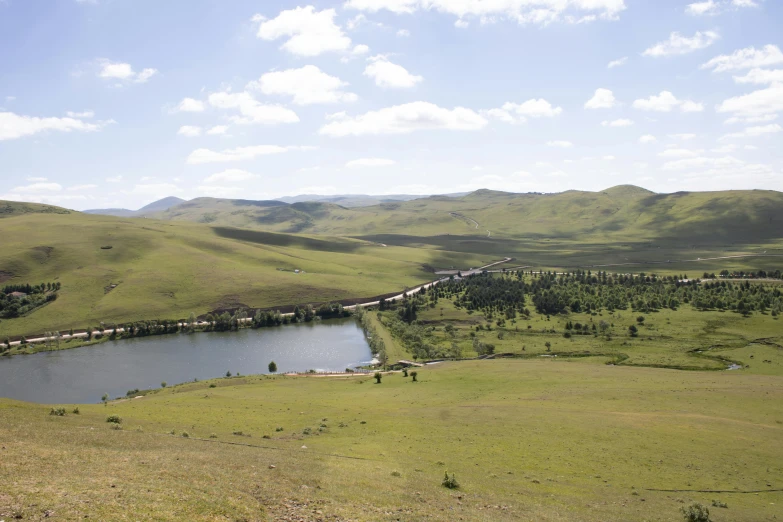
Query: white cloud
[540, 12]
[36, 179]
[761, 76]
[370, 162]
[307, 85]
[390, 75]
[200, 156]
[230, 175]
[617, 63]
[124, 71]
[14, 126]
[360, 50]
[80, 188]
[218, 130]
[114, 179]
[752, 119]
[309, 32]
[563, 144]
[747, 58]
[403, 33]
[752, 132]
[665, 102]
[623, 122]
[682, 136]
[251, 110]
[190, 105]
[461, 24]
[678, 44]
[757, 103]
[80, 115]
[648, 138]
[602, 99]
[38, 187]
[403, 119]
[189, 131]
[519, 112]
[710, 7]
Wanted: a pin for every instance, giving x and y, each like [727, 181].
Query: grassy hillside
[621, 224]
[545, 440]
[169, 269]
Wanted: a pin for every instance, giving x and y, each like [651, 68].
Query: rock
[304, 447]
[272, 466]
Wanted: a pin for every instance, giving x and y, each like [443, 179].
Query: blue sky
[116, 103]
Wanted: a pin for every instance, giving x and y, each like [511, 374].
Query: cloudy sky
[116, 103]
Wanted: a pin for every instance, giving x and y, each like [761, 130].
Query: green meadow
[538, 440]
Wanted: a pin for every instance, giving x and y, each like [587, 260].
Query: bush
[114, 419]
[228, 374]
[57, 412]
[272, 367]
[279, 428]
[378, 376]
[719, 504]
[185, 435]
[163, 384]
[414, 374]
[450, 482]
[212, 436]
[404, 372]
[696, 513]
[213, 385]
[76, 411]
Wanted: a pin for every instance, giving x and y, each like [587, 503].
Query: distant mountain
[156, 206]
[160, 205]
[358, 200]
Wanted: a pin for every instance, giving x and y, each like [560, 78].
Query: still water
[83, 375]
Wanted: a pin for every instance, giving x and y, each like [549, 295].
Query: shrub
[567, 335]
[272, 367]
[76, 411]
[719, 504]
[548, 346]
[115, 427]
[238, 433]
[378, 376]
[414, 374]
[633, 330]
[640, 319]
[212, 436]
[279, 428]
[306, 431]
[696, 513]
[185, 435]
[404, 372]
[228, 374]
[213, 385]
[57, 412]
[450, 482]
[114, 419]
[163, 384]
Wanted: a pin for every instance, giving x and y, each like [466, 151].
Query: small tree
[640, 319]
[272, 367]
[548, 346]
[696, 513]
[163, 384]
[414, 374]
[450, 482]
[228, 373]
[105, 399]
[378, 376]
[633, 330]
[404, 372]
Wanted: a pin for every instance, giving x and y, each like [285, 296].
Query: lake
[83, 375]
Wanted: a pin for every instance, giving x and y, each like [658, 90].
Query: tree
[414, 374]
[633, 330]
[105, 399]
[228, 373]
[548, 346]
[272, 367]
[378, 376]
[640, 319]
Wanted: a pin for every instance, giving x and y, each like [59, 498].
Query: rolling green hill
[210, 253]
[169, 269]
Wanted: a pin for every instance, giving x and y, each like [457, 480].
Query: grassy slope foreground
[546, 440]
[167, 270]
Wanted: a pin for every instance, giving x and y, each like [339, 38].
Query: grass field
[166, 270]
[543, 440]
